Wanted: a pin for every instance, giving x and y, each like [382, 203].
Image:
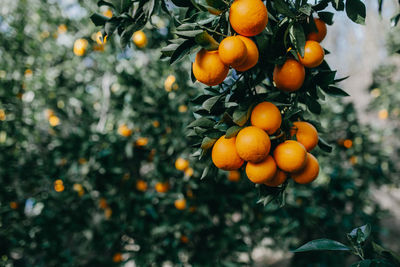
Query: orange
[306, 134]
[313, 55]
[180, 204]
[267, 117]
[141, 185]
[124, 130]
[181, 164]
[309, 173]
[13, 205]
[290, 76]
[248, 17]
[320, 34]
[234, 176]
[290, 156]
[139, 39]
[252, 54]
[208, 68]
[189, 172]
[279, 178]
[261, 172]
[117, 257]
[184, 239]
[224, 154]
[142, 141]
[162, 187]
[232, 51]
[253, 144]
[80, 47]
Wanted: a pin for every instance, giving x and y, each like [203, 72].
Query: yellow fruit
[313, 55]
[306, 134]
[80, 47]
[139, 39]
[252, 144]
[290, 76]
[208, 68]
[266, 116]
[181, 164]
[261, 172]
[189, 172]
[279, 178]
[180, 204]
[234, 176]
[248, 17]
[224, 154]
[252, 54]
[162, 187]
[309, 173]
[290, 156]
[232, 51]
[169, 82]
[124, 130]
[142, 141]
[320, 35]
[54, 120]
[141, 185]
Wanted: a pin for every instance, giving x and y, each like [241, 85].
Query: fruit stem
[277, 136]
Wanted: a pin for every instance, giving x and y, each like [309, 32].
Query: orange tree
[94, 168]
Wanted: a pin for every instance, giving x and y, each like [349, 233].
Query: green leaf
[200, 99]
[306, 9]
[338, 5]
[169, 49]
[98, 19]
[297, 37]
[182, 50]
[283, 8]
[313, 105]
[364, 230]
[207, 142]
[327, 17]
[110, 26]
[232, 131]
[188, 34]
[121, 5]
[126, 35]
[334, 91]
[385, 253]
[355, 10]
[206, 41]
[322, 244]
[202, 122]
[210, 103]
[240, 116]
[324, 145]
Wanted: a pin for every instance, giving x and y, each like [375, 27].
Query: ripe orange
[142, 141]
[117, 257]
[139, 39]
[141, 185]
[261, 172]
[279, 178]
[234, 176]
[80, 47]
[309, 173]
[290, 156]
[252, 144]
[124, 130]
[224, 154]
[208, 68]
[252, 54]
[267, 117]
[306, 134]
[181, 164]
[232, 51]
[180, 204]
[320, 35]
[248, 17]
[290, 76]
[162, 187]
[313, 55]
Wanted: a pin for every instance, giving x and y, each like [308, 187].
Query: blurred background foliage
[84, 141]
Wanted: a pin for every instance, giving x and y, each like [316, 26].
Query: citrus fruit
[234, 176]
[252, 54]
[313, 55]
[252, 144]
[142, 141]
[189, 172]
[180, 204]
[279, 178]
[320, 34]
[290, 156]
[224, 154]
[139, 39]
[290, 76]
[309, 173]
[306, 134]
[261, 172]
[124, 130]
[248, 17]
[181, 164]
[232, 51]
[141, 185]
[161, 187]
[267, 117]
[117, 257]
[80, 46]
[208, 68]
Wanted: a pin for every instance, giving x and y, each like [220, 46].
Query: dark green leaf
[283, 8]
[206, 41]
[232, 131]
[306, 9]
[240, 116]
[327, 17]
[182, 50]
[322, 244]
[207, 142]
[99, 20]
[210, 103]
[334, 91]
[324, 145]
[355, 10]
[202, 122]
[200, 99]
[385, 253]
[110, 26]
[297, 37]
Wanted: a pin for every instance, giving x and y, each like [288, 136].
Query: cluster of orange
[239, 51]
[290, 76]
[253, 144]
